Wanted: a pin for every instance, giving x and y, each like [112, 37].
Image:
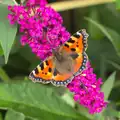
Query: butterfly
[66, 62]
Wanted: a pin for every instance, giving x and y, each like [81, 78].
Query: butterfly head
[57, 54]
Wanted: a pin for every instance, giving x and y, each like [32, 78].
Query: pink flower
[16, 13]
[41, 27]
[86, 89]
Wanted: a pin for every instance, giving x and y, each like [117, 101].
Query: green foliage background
[20, 99]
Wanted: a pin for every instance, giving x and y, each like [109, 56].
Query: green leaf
[28, 118]
[108, 85]
[68, 98]
[103, 66]
[117, 84]
[22, 1]
[2, 62]
[115, 113]
[36, 101]
[118, 4]
[98, 117]
[7, 32]
[112, 35]
[27, 54]
[1, 118]
[1, 51]
[8, 2]
[94, 31]
[13, 115]
[4, 76]
[117, 66]
[84, 111]
[111, 112]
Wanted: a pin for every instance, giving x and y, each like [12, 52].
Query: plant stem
[66, 5]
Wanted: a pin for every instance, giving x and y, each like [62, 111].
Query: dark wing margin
[84, 39]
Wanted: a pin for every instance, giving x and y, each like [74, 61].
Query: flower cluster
[86, 90]
[41, 27]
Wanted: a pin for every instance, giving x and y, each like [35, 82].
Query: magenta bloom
[86, 89]
[16, 13]
[41, 27]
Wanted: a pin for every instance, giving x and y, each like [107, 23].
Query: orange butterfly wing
[43, 72]
[46, 73]
[77, 42]
[61, 79]
[75, 47]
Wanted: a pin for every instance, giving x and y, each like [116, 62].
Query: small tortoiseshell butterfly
[65, 63]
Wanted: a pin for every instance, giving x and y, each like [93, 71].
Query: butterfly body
[63, 62]
[66, 62]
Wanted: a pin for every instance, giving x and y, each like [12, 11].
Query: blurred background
[19, 101]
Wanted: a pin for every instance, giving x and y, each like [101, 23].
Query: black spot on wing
[66, 45]
[74, 56]
[50, 70]
[42, 66]
[73, 49]
[46, 62]
[76, 35]
[36, 71]
[71, 40]
[55, 72]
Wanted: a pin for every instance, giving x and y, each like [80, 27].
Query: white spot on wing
[78, 33]
[33, 72]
